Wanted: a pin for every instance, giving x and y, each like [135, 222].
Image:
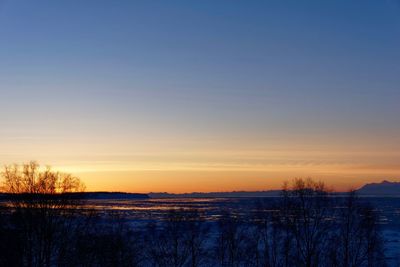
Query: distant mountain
[385, 188]
[271, 193]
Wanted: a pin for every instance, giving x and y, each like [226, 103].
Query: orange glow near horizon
[180, 166]
[209, 181]
[184, 181]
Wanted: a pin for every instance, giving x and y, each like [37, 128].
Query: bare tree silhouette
[308, 218]
[358, 241]
[42, 209]
[230, 240]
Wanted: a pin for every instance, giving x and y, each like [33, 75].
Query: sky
[184, 96]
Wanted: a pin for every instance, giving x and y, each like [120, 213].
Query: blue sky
[161, 81]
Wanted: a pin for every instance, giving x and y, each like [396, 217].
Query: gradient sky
[185, 96]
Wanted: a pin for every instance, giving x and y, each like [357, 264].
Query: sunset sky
[185, 96]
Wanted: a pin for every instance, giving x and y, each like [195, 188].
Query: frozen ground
[139, 211]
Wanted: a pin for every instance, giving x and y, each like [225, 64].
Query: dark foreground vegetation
[41, 226]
